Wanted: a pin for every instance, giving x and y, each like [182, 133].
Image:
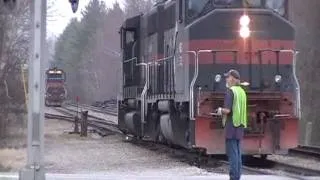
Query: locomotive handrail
[294, 53]
[143, 95]
[195, 76]
[128, 60]
[163, 59]
[191, 93]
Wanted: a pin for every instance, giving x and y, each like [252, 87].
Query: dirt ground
[65, 153]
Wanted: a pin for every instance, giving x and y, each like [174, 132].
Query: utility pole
[34, 170]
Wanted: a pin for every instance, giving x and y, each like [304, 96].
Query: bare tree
[14, 50]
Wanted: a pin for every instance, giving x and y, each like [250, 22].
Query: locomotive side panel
[162, 116]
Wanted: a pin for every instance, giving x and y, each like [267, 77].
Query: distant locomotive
[55, 87]
[173, 60]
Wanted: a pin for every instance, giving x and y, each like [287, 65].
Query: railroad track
[306, 151]
[112, 110]
[253, 166]
[99, 125]
[60, 117]
[293, 171]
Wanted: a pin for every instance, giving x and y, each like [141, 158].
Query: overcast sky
[60, 14]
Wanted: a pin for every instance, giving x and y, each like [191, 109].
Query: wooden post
[84, 123]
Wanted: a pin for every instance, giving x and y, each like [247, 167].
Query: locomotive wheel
[201, 158]
[263, 156]
[138, 138]
[159, 137]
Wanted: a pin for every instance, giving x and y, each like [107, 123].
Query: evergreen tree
[133, 8]
[89, 50]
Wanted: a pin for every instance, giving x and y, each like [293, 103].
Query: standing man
[234, 114]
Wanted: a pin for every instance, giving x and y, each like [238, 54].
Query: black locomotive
[173, 60]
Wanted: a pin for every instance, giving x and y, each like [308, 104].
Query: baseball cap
[232, 72]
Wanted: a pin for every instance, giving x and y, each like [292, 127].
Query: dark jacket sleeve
[228, 99]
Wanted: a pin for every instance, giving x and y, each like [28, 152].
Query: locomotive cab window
[277, 6]
[253, 3]
[129, 37]
[55, 76]
[197, 8]
[239, 3]
[226, 2]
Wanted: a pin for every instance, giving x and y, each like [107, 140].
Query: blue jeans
[234, 157]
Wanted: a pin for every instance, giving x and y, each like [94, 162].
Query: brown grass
[13, 159]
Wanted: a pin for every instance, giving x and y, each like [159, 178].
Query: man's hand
[219, 111]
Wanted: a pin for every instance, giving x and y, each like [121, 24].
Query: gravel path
[65, 153]
[71, 154]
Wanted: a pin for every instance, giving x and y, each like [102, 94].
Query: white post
[34, 169]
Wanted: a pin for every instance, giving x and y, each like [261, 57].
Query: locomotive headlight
[217, 79]
[244, 26]
[277, 78]
[244, 20]
[244, 32]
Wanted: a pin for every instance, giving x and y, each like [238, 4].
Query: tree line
[88, 50]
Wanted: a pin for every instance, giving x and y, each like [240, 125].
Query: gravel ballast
[70, 153]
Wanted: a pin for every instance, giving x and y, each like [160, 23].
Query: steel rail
[309, 151]
[108, 110]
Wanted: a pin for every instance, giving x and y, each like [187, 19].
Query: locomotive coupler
[276, 124]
